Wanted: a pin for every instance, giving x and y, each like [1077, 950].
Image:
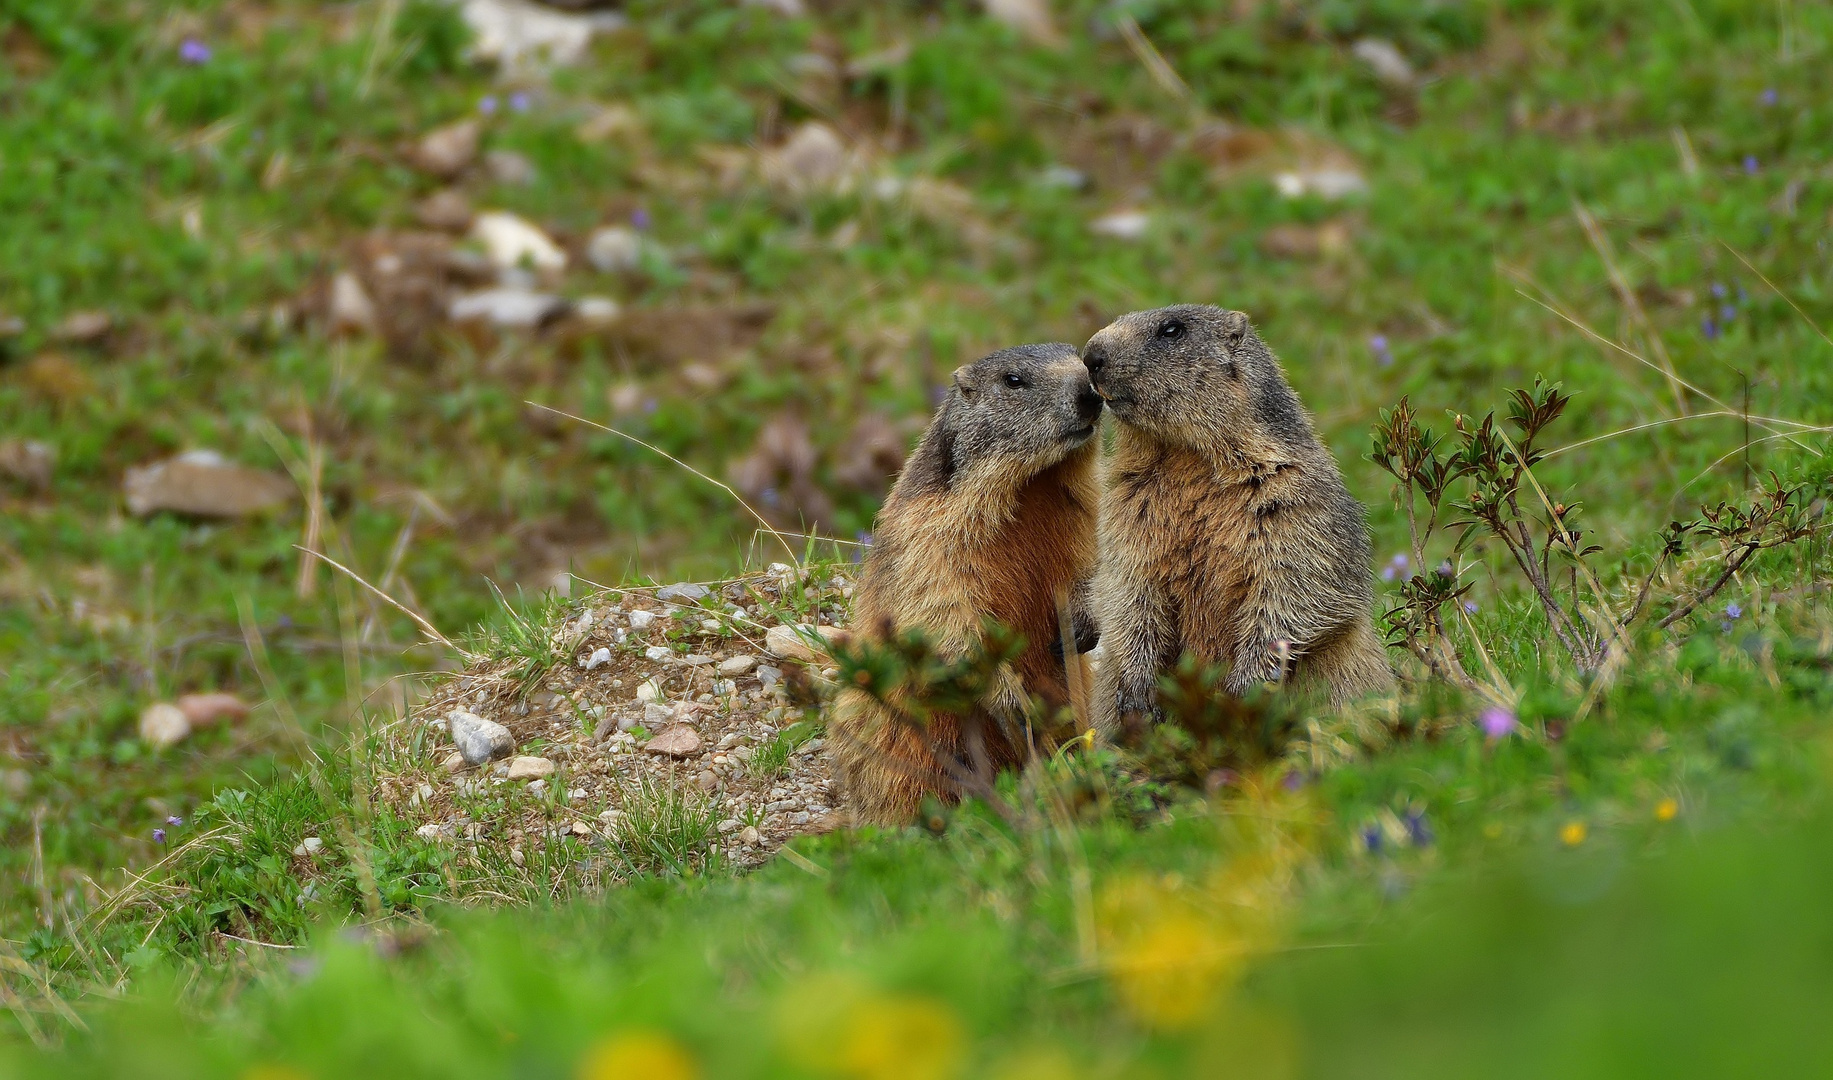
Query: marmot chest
[1186, 536]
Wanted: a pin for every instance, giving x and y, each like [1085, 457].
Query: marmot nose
[1088, 403]
[1095, 358]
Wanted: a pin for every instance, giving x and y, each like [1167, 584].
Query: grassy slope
[1560, 102]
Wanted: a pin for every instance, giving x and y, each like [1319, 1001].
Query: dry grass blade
[749, 509]
[431, 631]
[1786, 298]
[1154, 61]
[1600, 242]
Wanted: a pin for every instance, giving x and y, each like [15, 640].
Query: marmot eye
[1013, 378]
[1170, 329]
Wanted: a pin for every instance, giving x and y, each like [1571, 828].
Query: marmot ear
[1234, 328]
[962, 381]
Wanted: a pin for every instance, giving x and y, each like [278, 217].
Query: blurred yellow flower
[1573, 833]
[638, 1055]
[902, 1038]
[838, 1025]
[1166, 957]
[1667, 810]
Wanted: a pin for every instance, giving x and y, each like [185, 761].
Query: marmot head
[1193, 375]
[1014, 413]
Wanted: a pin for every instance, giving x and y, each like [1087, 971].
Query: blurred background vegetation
[259, 292]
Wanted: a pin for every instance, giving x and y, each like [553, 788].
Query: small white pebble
[308, 847]
[640, 620]
[600, 655]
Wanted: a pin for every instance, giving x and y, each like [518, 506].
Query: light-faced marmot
[993, 516]
[1226, 531]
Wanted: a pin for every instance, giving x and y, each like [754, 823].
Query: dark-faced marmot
[993, 516]
[1226, 531]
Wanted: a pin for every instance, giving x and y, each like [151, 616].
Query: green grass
[200, 205]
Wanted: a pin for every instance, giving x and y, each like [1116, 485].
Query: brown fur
[1226, 530]
[980, 525]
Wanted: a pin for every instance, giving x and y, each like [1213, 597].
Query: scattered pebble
[641, 620]
[530, 768]
[308, 847]
[509, 167]
[202, 710]
[28, 462]
[737, 665]
[163, 725]
[649, 691]
[597, 310]
[518, 34]
[508, 307]
[768, 676]
[351, 311]
[1385, 59]
[675, 740]
[707, 781]
[1329, 183]
[84, 327]
[615, 249]
[600, 655]
[683, 593]
[812, 159]
[203, 484]
[509, 242]
[1122, 224]
[446, 210]
[479, 740]
[749, 836]
[658, 653]
[447, 151]
[793, 642]
[657, 716]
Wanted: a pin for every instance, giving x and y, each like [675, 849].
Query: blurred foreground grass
[1583, 190]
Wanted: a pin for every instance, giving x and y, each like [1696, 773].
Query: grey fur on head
[1195, 375]
[1019, 410]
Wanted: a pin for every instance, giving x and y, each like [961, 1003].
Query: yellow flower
[1573, 833]
[835, 1024]
[638, 1055]
[1167, 957]
[1667, 810]
[901, 1038]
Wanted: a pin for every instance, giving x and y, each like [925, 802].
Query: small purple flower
[639, 218]
[1371, 838]
[518, 102]
[158, 836]
[1750, 164]
[1293, 780]
[193, 51]
[1769, 97]
[769, 497]
[864, 538]
[1396, 567]
[1445, 569]
[1727, 313]
[1719, 292]
[1470, 607]
[1733, 611]
[1378, 345]
[1418, 832]
[174, 821]
[1497, 722]
[1709, 327]
[651, 405]
[487, 104]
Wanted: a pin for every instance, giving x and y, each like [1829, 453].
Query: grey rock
[769, 676]
[481, 741]
[28, 462]
[447, 151]
[658, 653]
[599, 656]
[657, 716]
[164, 724]
[1385, 59]
[84, 327]
[696, 660]
[683, 592]
[641, 620]
[707, 781]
